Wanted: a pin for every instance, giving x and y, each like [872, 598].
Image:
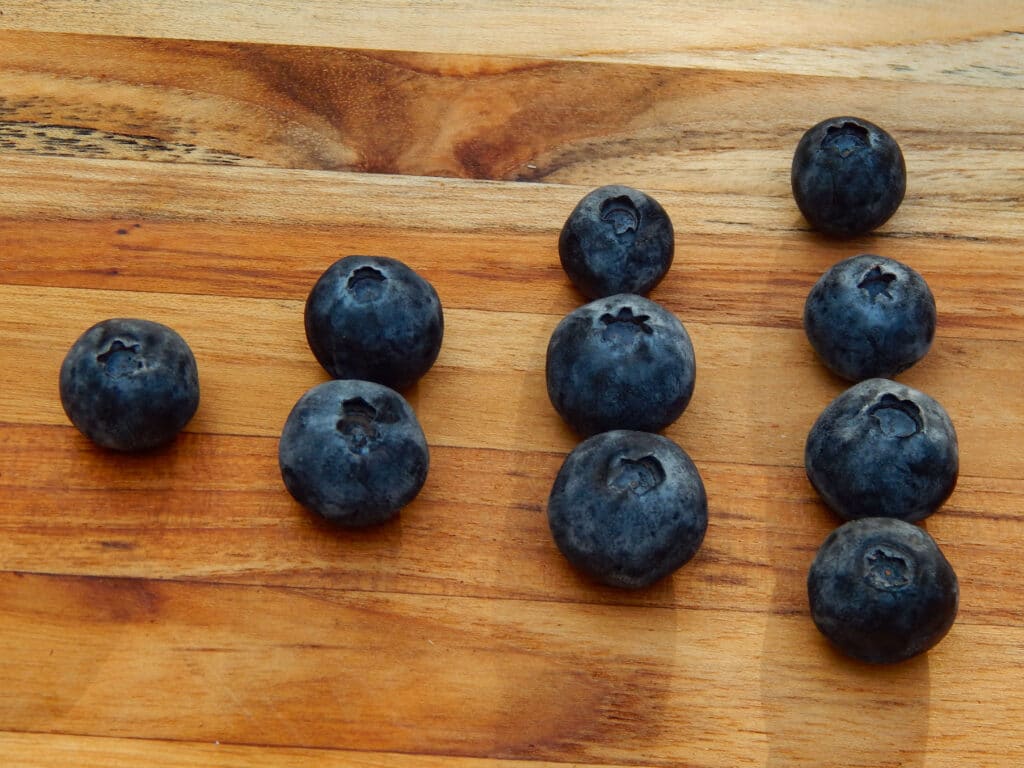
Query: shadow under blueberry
[368, 557]
[617, 657]
[820, 707]
[600, 684]
[363, 551]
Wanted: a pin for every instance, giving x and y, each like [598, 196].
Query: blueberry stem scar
[877, 282]
[621, 214]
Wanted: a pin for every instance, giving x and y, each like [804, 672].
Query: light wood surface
[201, 163]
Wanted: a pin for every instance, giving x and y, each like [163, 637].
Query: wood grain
[461, 401]
[201, 164]
[478, 117]
[977, 43]
[477, 529]
[741, 259]
[548, 681]
[22, 749]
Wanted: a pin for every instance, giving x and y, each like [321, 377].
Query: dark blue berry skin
[374, 318]
[129, 385]
[628, 508]
[870, 317]
[881, 590]
[616, 240]
[353, 452]
[882, 449]
[623, 362]
[848, 176]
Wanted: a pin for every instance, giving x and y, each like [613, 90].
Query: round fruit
[628, 508]
[616, 240]
[882, 449]
[869, 317]
[881, 590]
[848, 176]
[129, 385]
[353, 452]
[374, 318]
[622, 362]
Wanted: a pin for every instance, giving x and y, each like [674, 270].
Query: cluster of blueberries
[351, 450]
[881, 455]
[628, 506]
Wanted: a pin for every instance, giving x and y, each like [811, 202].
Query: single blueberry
[881, 590]
[616, 240]
[848, 176]
[882, 449]
[374, 318]
[628, 508]
[353, 452]
[623, 362]
[870, 317]
[129, 384]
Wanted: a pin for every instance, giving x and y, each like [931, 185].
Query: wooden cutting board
[200, 164]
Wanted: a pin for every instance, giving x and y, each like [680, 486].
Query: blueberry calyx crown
[360, 423]
[624, 325]
[637, 475]
[887, 568]
[845, 138]
[366, 283]
[895, 417]
[622, 214]
[120, 359]
[876, 282]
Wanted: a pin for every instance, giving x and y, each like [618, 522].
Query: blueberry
[622, 362]
[848, 176]
[628, 508]
[129, 385]
[374, 318]
[616, 240]
[882, 449]
[353, 452]
[881, 590]
[869, 317]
